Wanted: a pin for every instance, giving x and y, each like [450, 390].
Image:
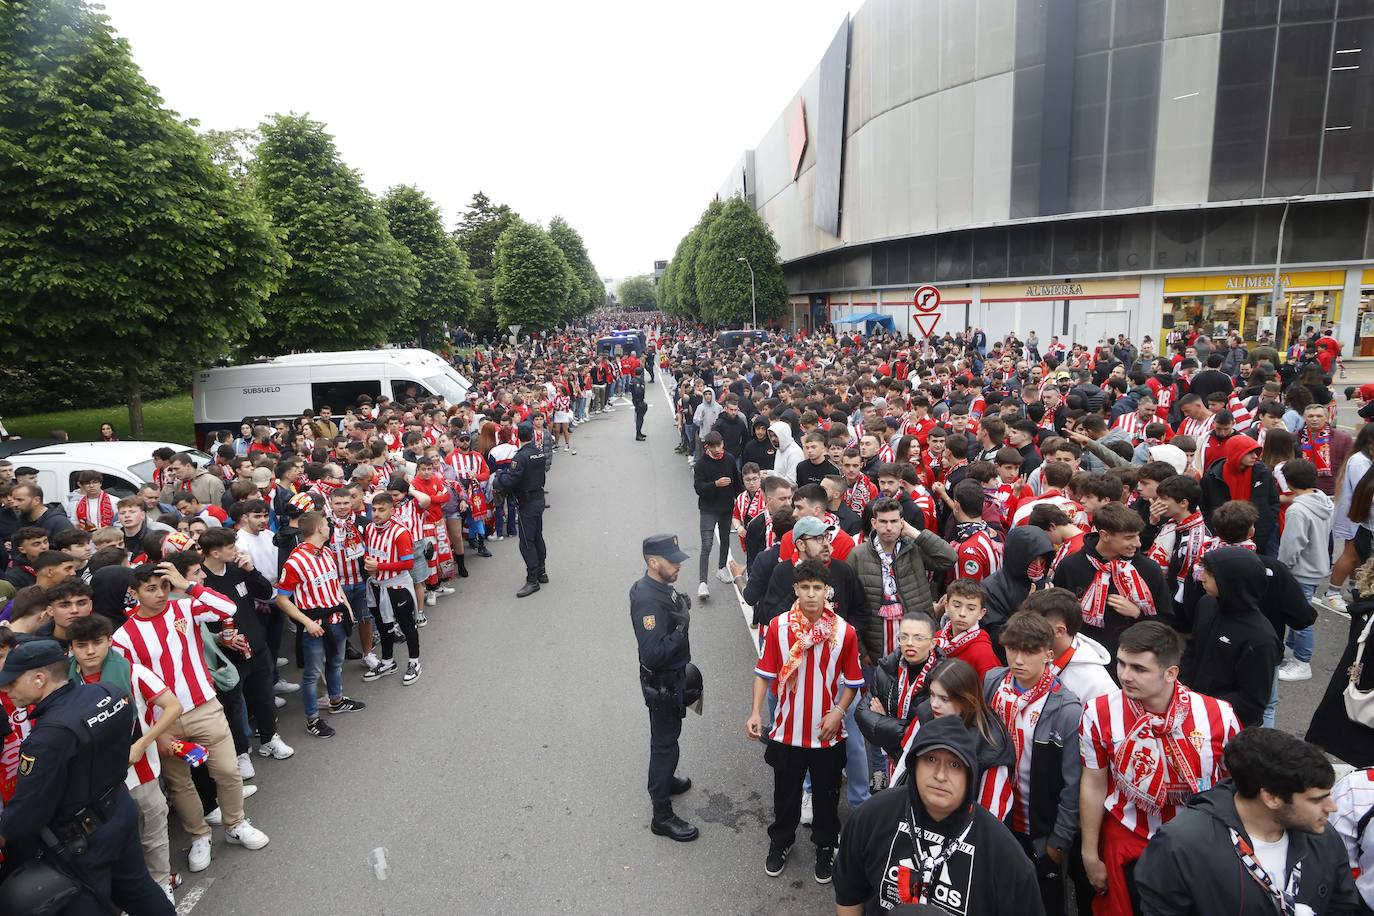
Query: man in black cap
[523, 479]
[928, 842]
[661, 615]
[70, 803]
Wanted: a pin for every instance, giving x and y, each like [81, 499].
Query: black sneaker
[346, 704]
[877, 781]
[319, 728]
[381, 671]
[777, 858]
[412, 672]
[825, 863]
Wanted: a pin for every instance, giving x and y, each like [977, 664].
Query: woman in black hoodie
[1234, 649]
[759, 448]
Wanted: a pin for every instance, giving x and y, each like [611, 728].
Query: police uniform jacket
[77, 752]
[524, 477]
[660, 615]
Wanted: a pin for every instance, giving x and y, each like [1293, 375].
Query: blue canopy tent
[871, 320]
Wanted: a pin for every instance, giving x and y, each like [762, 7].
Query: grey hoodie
[707, 411]
[1306, 529]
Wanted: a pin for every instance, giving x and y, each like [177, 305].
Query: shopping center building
[1081, 167]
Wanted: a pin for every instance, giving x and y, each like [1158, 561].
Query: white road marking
[192, 897]
[745, 610]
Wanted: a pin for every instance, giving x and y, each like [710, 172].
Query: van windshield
[447, 388]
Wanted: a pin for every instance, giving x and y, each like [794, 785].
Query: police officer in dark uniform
[661, 615]
[641, 406]
[523, 479]
[70, 805]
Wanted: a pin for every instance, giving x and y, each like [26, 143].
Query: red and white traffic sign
[927, 299]
[927, 305]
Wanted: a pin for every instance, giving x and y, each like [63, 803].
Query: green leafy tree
[448, 287]
[533, 283]
[477, 232]
[233, 149]
[351, 283]
[666, 291]
[688, 294]
[637, 294]
[593, 291]
[722, 282]
[121, 241]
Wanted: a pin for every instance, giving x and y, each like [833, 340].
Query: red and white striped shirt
[1198, 429]
[885, 454]
[748, 506]
[1132, 426]
[1202, 735]
[392, 546]
[1052, 497]
[171, 646]
[411, 517]
[980, 555]
[1240, 412]
[860, 493]
[468, 465]
[310, 578]
[347, 544]
[816, 686]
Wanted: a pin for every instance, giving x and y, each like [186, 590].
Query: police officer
[523, 479]
[661, 615]
[641, 406]
[70, 803]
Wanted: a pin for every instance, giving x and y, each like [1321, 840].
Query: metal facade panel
[1187, 111]
[829, 140]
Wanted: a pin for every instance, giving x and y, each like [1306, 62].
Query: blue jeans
[1303, 641]
[322, 652]
[357, 603]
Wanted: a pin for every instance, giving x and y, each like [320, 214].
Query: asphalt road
[511, 777]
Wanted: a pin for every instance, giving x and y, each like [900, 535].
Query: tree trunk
[133, 387]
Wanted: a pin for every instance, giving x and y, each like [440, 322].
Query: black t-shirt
[245, 589]
[814, 473]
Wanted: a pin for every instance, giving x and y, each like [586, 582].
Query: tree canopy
[351, 283]
[533, 282]
[121, 240]
[637, 294]
[448, 287]
[477, 232]
[592, 292]
[722, 282]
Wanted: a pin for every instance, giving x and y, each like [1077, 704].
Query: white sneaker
[445, 590]
[246, 770]
[412, 672]
[216, 818]
[703, 590]
[171, 897]
[370, 661]
[431, 599]
[281, 662]
[807, 813]
[246, 835]
[276, 748]
[280, 701]
[1294, 670]
[1334, 603]
[199, 859]
[495, 537]
[723, 575]
[285, 686]
[691, 461]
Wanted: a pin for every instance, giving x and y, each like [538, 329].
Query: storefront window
[1216, 315]
[1305, 310]
[1364, 324]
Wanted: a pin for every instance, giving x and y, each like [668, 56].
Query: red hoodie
[1239, 480]
[978, 653]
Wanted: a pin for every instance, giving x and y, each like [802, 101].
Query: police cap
[665, 546]
[28, 655]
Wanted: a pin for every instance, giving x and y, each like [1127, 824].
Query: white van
[125, 465]
[283, 387]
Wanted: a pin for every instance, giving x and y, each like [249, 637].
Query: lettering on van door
[263, 389]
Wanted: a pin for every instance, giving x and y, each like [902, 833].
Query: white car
[124, 466]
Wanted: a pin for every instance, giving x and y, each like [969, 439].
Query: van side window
[117, 487]
[403, 388]
[343, 396]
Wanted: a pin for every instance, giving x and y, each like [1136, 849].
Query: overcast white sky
[624, 117]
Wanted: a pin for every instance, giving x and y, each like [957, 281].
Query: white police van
[282, 387]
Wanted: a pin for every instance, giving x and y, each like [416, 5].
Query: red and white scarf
[1152, 766]
[805, 635]
[909, 687]
[1010, 701]
[1317, 449]
[105, 509]
[1128, 581]
[1190, 545]
[950, 644]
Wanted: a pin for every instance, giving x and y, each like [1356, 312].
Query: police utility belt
[72, 833]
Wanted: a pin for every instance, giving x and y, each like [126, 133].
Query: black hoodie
[877, 860]
[1076, 573]
[760, 451]
[1009, 586]
[1234, 649]
[1191, 866]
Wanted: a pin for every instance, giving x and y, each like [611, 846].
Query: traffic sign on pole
[927, 299]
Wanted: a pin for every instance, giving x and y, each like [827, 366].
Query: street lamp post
[753, 308]
[1278, 290]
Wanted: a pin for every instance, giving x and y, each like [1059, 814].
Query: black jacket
[711, 499]
[755, 536]
[760, 451]
[735, 431]
[1008, 587]
[1076, 573]
[759, 574]
[523, 478]
[1264, 497]
[1234, 648]
[887, 730]
[849, 599]
[1190, 867]
[245, 589]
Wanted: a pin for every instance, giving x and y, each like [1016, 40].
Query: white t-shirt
[1274, 858]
